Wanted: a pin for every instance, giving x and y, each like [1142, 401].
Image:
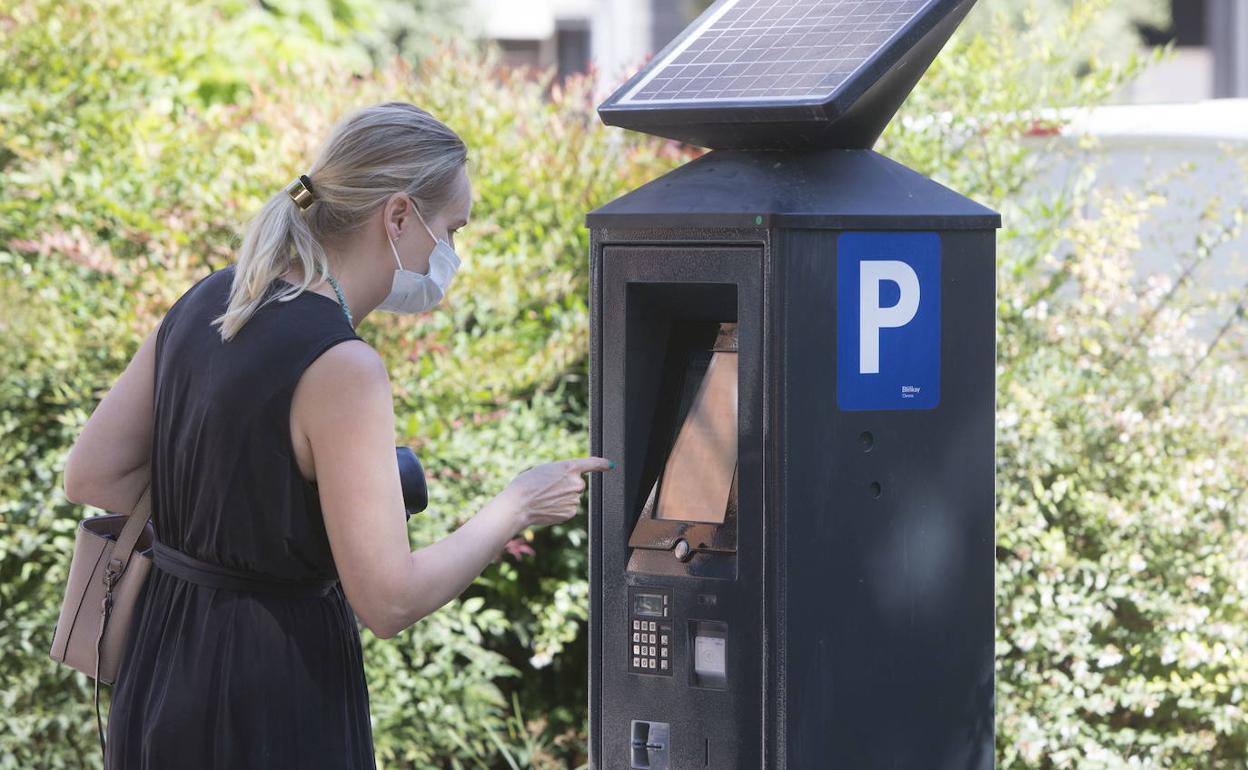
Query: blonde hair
[369, 155]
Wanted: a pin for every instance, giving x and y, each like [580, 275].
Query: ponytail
[276, 235]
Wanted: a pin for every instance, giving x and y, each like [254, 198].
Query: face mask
[413, 292]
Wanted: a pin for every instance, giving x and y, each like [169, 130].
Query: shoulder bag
[112, 556]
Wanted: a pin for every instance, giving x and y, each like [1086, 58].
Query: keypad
[650, 631]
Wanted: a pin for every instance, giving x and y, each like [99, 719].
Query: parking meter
[792, 362]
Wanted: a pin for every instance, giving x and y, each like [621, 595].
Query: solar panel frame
[814, 108]
[749, 48]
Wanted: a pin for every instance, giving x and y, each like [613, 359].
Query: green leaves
[131, 156]
[137, 138]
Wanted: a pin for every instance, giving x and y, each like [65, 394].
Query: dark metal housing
[851, 624]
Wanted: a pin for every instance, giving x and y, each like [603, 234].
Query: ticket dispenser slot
[650, 745]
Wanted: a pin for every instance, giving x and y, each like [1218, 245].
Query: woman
[266, 428]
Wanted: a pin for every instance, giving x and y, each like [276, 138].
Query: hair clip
[300, 191]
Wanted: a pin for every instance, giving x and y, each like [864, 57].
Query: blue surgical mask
[413, 292]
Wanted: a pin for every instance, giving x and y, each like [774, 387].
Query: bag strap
[122, 551]
[105, 611]
[129, 537]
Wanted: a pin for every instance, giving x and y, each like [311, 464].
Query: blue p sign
[888, 320]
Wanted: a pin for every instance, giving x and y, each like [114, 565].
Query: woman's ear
[396, 214]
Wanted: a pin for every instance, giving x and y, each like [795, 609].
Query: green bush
[129, 159]
[132, 151]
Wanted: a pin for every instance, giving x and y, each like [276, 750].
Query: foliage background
[136, 138]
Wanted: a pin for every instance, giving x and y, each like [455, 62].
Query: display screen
[708, 655]
[697, 478]
[648, 604]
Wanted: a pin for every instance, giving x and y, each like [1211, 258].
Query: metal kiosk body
[792, 364]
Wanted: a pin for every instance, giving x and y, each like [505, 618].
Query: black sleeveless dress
[221, 678]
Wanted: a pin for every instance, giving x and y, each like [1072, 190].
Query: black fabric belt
[204, 573]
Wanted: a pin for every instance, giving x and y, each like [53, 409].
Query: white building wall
[1195, 154]
[620, 40]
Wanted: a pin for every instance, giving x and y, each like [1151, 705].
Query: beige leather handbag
[112, 556]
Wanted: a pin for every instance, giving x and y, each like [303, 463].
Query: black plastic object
[850, 114]
[412, 477]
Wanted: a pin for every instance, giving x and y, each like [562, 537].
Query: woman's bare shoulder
[350, 364]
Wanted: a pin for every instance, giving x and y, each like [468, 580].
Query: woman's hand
[551, 492]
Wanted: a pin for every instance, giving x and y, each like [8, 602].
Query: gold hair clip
[300, 191]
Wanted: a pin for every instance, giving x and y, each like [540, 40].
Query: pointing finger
[588, 464]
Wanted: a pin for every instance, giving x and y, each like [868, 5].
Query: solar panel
[774, 49]
[792, 68]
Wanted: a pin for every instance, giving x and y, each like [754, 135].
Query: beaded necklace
[337, 290]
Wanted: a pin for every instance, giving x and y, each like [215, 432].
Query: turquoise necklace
[338, 290]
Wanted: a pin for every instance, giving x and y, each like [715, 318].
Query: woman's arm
[343, 404]
[110, 463]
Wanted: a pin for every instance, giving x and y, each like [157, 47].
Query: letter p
[872, 317]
